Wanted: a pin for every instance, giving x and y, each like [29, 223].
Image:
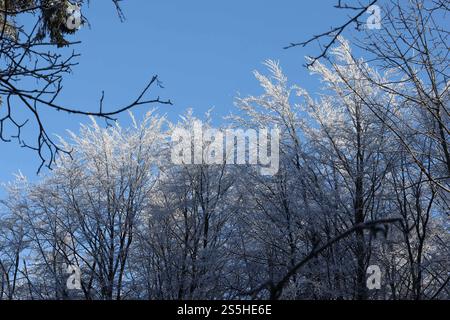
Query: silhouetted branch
[335, 32]
[277, 289]
[28, 58]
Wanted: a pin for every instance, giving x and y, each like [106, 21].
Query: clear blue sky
[204, 51]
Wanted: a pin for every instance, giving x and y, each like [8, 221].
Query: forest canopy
[362, 188]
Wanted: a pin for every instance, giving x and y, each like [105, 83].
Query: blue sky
[204, 51]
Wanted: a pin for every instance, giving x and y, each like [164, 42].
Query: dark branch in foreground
[32, 73]
[276, 290]
[335, 32]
